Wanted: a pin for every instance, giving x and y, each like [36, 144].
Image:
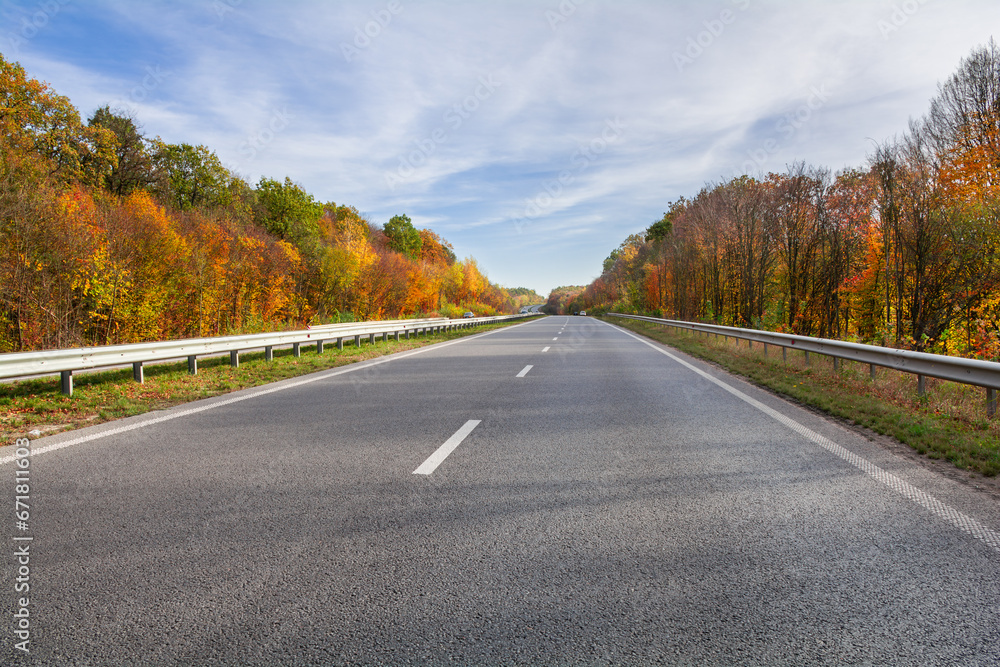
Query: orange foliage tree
[188, 248]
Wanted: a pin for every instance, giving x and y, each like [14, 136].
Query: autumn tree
[963, 124]
[33, 118]
[134, 166]
[845, 226]
[435, 250]
[656, 236]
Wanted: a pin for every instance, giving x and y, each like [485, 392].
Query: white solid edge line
[961, 521]
[442, 452]
[524, 371]
[320, 375]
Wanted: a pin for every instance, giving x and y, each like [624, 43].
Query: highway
[558, 492]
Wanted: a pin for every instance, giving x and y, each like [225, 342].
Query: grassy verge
[949, 422]
[33, 408]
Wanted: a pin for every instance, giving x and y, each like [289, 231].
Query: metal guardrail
[976, 372]
[65, 362]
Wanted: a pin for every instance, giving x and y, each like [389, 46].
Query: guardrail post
[991, 402]
[807, 357]
[871, 371]
[268, 353]
[192, 365]
[297, 349]
[66, 382]
[784, 353]
[750, 344]
[340, 343]
[137, 373]
[357, 341]
[371, 339]
[397, 336]
[836, 364]
[921, 385]
[319, 346]
[765, 349]
[234, 358]
[385, 336]
[407, 334]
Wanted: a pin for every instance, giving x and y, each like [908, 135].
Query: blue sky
[533, 135]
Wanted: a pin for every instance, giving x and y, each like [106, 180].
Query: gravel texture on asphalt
[611, 507]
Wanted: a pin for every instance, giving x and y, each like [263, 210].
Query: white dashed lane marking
[435, 459]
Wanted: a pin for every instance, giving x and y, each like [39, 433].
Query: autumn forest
[904, 252]
[108, 236]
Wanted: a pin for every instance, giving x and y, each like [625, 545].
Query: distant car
[468, 314]
[583, 312]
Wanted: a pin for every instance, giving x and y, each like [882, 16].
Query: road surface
[556, 492]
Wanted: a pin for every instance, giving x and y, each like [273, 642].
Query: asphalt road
[615, 503]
